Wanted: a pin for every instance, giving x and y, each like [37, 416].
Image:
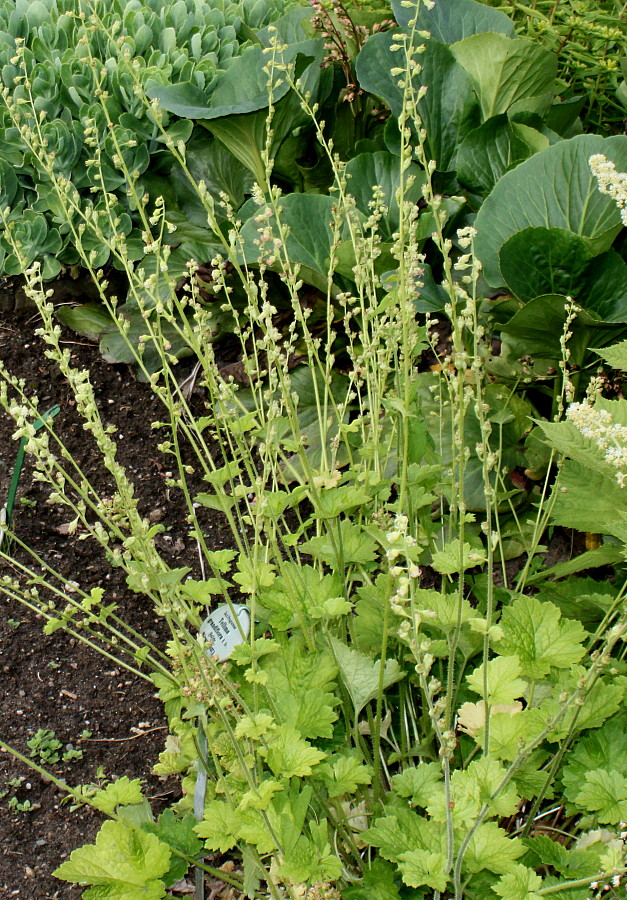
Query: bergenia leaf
[490, 150]
[384, 170]
[506, 71]
[540, 260]
[449, 110]
[553, 189]
[453, 20]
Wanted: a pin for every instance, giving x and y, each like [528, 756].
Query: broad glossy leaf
[510, 416]
[449, 109]
[246, 135]
[493, 148]
[536, 329]
[242, 88]
[454, 20]
[603, 289]
[554, 189]
[289, 29]
[236, 111]
[542, 260]
[90, 319]
[562, 115]
[382, 169]
[506, 71]
[208, 160]
[317, 433]
[115, 347]
[431, 296]
[308, 217]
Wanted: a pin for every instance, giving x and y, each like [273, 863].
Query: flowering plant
[409, 715]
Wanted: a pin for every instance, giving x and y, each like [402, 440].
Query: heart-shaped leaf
[506, 71]
[493, 148]
[537, 328]
[308, 218]
[553, 189]
[382, 169]
[453, 20]
[543, 261]
[449, 110]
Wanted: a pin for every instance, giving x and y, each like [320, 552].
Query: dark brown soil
[56, 682]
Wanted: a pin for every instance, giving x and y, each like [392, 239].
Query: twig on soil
[120, 740]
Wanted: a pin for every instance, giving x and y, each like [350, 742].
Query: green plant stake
[7, 510]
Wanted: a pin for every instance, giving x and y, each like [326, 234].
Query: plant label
[223, 631]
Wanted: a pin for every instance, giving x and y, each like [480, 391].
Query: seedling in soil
[29, 505]
[46, 748]
[20, 806]
[87, 790]
[8, 785]
[15, 804]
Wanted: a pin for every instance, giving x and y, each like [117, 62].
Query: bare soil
[55, 682]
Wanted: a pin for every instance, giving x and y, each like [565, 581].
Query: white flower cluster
[611, 438]
[610, 182]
